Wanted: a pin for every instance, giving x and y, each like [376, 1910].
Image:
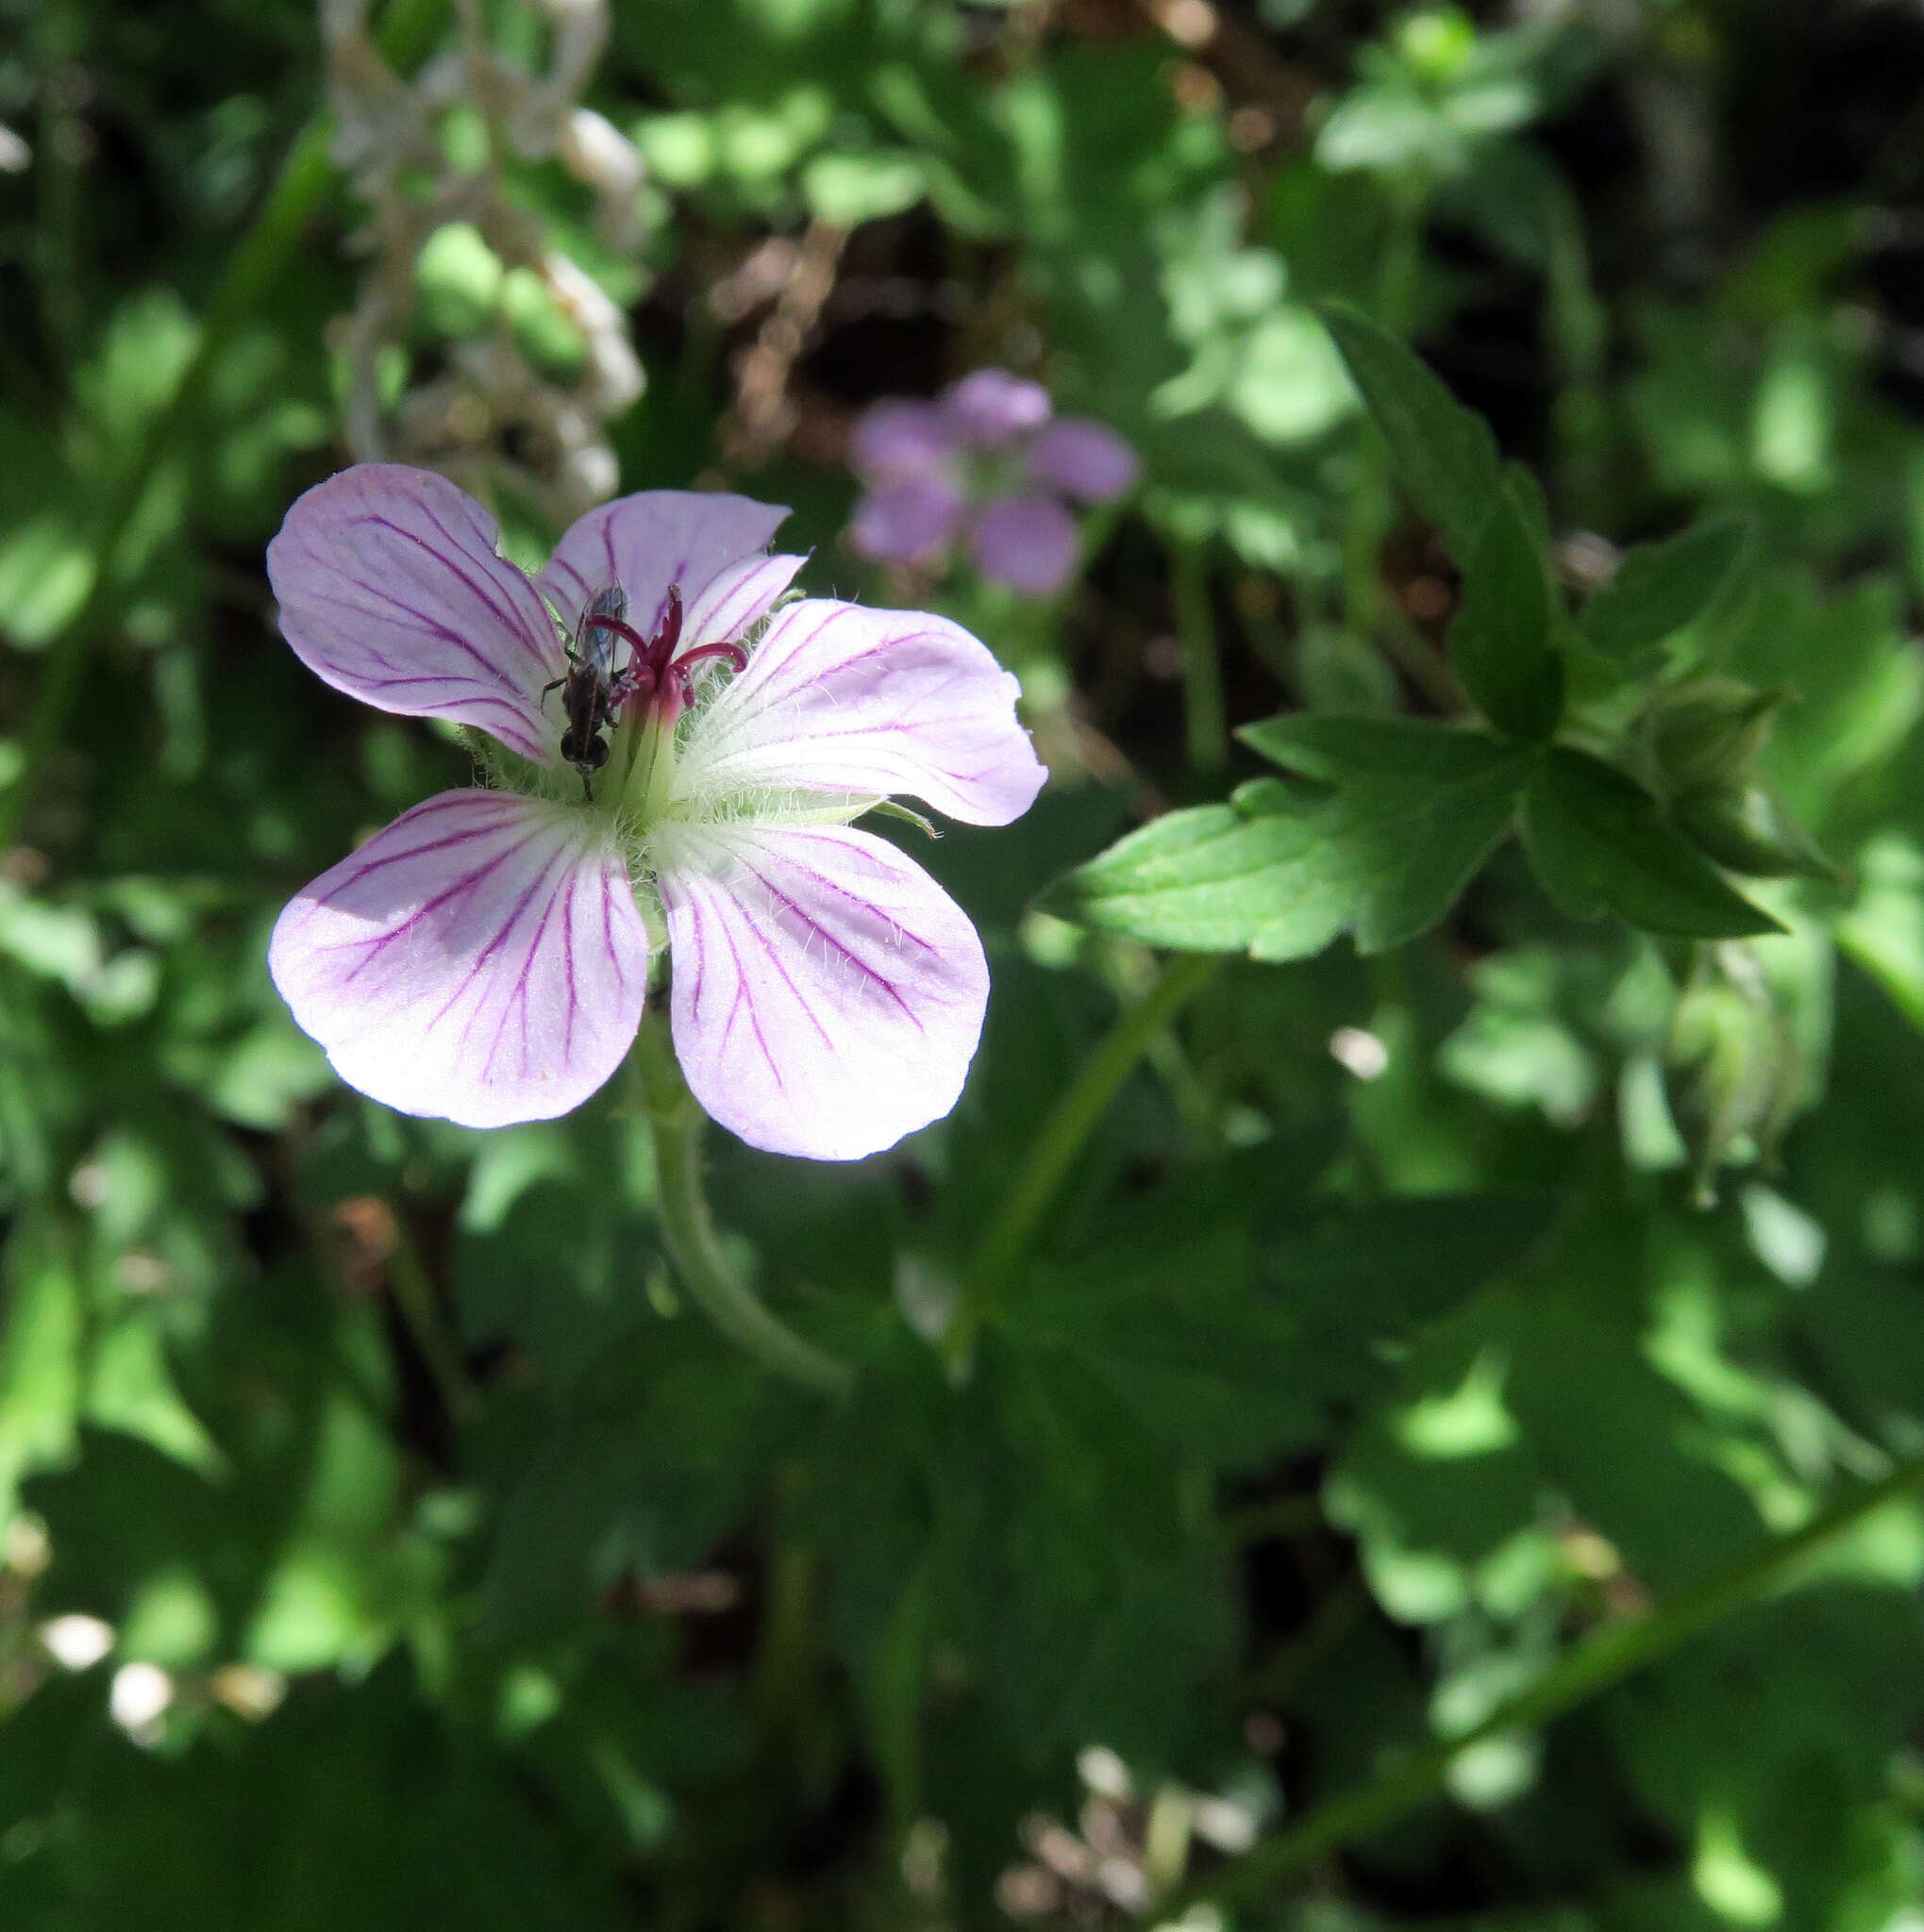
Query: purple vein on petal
[366, 868]
[815, 926]
[517, 997]
[856, 899]
[781, 972]
[568, 962]
[462, 887]
[484, 594]
[609, 889]
[559, 562]
[430, 626]
[695, 932]
[493, 945]
[742, 1001]
[515, 622]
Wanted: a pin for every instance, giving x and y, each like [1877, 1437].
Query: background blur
[383, 1544]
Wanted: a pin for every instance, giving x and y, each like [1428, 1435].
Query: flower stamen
[736, 660]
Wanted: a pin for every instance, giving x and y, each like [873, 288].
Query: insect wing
[594, 642]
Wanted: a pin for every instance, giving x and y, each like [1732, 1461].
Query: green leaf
[1444, 453]
[41, 1347]
[1412, 809]
[1233, 1318]
[1600, 845]
[1333, 747]
[1071, 1575]
[1659, 588]
[316, 1817]
[850, 188]
[1524, 488]
[1501, 640]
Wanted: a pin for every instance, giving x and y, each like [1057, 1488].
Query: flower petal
[647, 541]
[1084, 458]
[738, 599]
[847, 702]
[908, 521]
[390, 590]
[481, 960]
[895, 442]
[991, 404]
[1028, 543]
[827, 994]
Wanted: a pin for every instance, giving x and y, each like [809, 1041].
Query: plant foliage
[1394, 1398]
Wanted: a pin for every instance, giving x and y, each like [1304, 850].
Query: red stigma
[653, 668]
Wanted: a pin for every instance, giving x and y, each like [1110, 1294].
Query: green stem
[1061, 1137]
[60, 168]
[1579, 326]
[688, 1230]
[1205, 724]
[785, 1661]
[1364, 519]
[1600, 1662]
[1367, 513]
[1419, 660]
[895, 1698]
[258, 261]
[413, 1294]
[1403, 256]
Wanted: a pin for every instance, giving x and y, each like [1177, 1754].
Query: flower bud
[1733, 1067]
[1706, 734]
[1747, 829]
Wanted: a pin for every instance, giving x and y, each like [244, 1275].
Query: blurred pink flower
[984, 463]
[485, 958]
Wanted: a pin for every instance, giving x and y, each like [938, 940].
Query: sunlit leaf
[1409, 813]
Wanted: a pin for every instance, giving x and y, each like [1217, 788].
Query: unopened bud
[1707, 734]
[1747, 829]
[1733, 1065]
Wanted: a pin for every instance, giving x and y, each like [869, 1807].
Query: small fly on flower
[593, 692]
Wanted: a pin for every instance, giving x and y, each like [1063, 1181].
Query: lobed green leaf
[1412, 810]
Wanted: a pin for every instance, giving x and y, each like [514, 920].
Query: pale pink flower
[989, 463]
[484, 959]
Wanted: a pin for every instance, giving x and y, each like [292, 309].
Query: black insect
[593, 690]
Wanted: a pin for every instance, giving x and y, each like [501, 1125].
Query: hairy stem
[688, 1230]
[1600, 1662]
[1061, 1137]
[258, 261]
